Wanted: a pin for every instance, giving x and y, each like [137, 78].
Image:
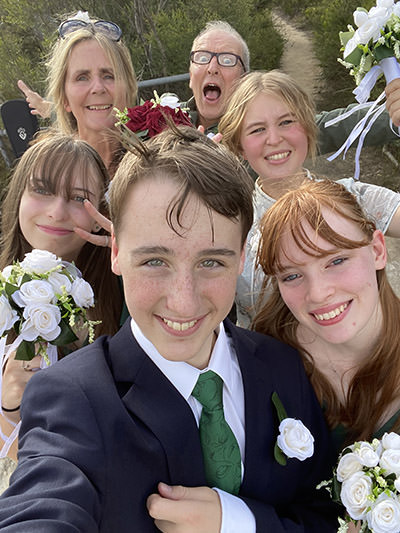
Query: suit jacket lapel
[149, 396]
[261, 427]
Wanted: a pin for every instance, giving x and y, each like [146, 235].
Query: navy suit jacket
[103, 426]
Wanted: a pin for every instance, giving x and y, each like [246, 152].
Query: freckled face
[335, 298]
[272, 140]
[47, 220]
[177, 288]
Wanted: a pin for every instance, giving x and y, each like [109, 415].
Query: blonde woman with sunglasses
[90, 72]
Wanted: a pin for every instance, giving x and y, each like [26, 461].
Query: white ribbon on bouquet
[391, 70]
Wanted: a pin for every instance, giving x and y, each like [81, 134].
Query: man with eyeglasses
[220, 56]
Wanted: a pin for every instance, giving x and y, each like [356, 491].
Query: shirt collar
[184, 376]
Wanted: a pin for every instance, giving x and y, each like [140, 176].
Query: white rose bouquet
[369, 51]
[376, 38]
[366, 482]
[42, 299]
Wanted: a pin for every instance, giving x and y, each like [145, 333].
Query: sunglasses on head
[107, 28]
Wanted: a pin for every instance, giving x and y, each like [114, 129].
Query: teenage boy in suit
[110, 438]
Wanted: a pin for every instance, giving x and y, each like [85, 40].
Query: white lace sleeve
[378, 203]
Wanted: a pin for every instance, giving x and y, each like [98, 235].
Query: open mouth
[211, 92]
[179, 326]
[103, 107]
[332, 314]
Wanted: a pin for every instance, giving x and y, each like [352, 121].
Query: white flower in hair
[82, 15]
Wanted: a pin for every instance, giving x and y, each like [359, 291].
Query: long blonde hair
[376, 384]
[120, 59]
[272, 83]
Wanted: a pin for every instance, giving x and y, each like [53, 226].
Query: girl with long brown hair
[43, 203]
[332, 301]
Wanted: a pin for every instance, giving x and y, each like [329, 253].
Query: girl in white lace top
[270, 122]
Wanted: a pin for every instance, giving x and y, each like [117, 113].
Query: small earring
[97, 228]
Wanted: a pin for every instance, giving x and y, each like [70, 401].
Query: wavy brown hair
[376, 384]
[197, 164]
[53, 156]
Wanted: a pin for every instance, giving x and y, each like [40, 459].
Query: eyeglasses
[109, 29]
[225, 59]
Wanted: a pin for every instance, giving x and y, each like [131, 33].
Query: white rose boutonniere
[294, 441]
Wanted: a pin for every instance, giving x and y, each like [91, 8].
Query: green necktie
[221, 452]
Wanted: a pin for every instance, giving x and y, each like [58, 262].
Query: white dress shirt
[236, 516]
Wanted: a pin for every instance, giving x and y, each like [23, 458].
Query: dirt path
[298, 58]
[299, 61]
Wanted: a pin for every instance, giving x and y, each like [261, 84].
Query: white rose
[380, 15]
[7, 271]
[41, 320]
[391, 441]
[396, 9]
[388, 4]
[295, 440]
[349, 464]
[397, 484]
[354, 495]
[40, 261]
[82, 293]
[390, 461]
[35, 291]
[169, 100]
[371, 29]
[368, 456]
[360, 17]
[58, 280]
[8, 316]
[384, 516]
